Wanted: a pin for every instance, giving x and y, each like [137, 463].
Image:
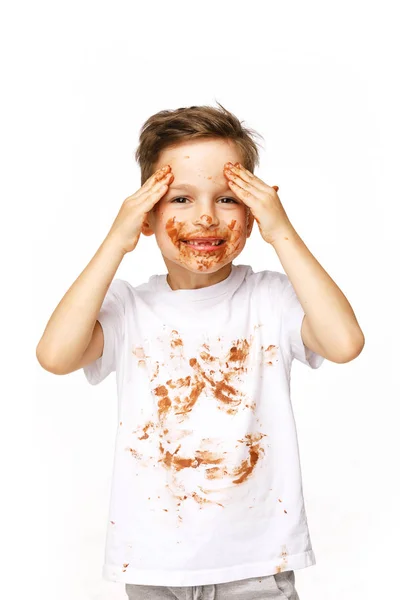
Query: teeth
[203, 243]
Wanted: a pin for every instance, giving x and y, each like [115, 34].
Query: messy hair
[169, 127]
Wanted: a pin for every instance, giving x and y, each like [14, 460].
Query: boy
[206, 494]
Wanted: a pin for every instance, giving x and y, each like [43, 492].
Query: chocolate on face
[200, 164]
[222, 254]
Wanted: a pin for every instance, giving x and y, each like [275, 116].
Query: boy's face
[199, 203]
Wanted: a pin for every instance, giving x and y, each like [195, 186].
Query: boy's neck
[183, 279]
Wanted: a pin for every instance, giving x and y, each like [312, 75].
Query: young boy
[207, 495]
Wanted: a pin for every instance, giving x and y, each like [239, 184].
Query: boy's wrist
[112, 244]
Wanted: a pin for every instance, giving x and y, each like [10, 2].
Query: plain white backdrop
[320, 83]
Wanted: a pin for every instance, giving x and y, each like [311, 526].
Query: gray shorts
[279, 586]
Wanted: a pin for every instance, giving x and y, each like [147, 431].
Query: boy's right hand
[126, 229]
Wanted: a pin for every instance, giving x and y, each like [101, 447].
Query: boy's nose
[207, 218]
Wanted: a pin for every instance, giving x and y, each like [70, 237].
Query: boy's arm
[71, 327]
[330, 327]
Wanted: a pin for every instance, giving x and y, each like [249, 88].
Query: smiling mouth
[204, 241]
[203, 244]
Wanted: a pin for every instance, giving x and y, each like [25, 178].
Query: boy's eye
[183, 198]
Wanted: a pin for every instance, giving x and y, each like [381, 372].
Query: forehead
[209, 154]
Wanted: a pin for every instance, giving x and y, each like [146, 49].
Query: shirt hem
[207, 576]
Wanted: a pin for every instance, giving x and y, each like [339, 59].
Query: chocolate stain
[270, 354]
[135, 453]
[165, 403]
[255, 451]
[217, 381]
[283, 556]
[175, 463]
[156, 372]
[139, 353]
[177, 340]
[145, 434]
[178, 397]
[232, 238]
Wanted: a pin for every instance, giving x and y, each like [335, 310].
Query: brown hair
[169, 127]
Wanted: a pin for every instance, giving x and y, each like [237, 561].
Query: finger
[247, 189]
[156, 177]
[160, 173]
[154, 195]
[246, 176]
[246, 196]
[157, 180]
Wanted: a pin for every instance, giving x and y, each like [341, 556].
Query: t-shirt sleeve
[111, 318]
[292, 320]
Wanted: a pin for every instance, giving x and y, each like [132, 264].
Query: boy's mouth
[204, 243]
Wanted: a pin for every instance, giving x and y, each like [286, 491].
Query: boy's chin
[200, 267]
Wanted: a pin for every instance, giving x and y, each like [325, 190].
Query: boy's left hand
[262, 200]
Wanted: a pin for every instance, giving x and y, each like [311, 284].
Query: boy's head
[197, 142]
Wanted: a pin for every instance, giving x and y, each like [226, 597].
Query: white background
[320, 83]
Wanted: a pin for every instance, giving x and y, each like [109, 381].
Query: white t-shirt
[206, 485]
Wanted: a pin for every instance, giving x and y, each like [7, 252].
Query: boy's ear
[249, 223]
[146, 225]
